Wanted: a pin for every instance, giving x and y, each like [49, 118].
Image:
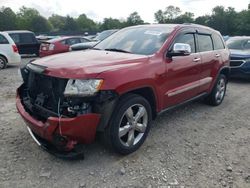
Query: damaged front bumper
[62, 133]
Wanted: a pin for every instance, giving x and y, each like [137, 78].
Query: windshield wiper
[116, 50]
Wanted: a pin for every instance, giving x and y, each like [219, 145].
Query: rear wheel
[3, 62]
[218, 93]
[129, 125]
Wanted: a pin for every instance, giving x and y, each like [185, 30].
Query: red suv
[59, 45]
[119, 86]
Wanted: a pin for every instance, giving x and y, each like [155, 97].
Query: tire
[3, 62]
[218, 93]
[126, 132]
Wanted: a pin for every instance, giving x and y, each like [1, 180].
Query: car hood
[87, 64]
[240, 53]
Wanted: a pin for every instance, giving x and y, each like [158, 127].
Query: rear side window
[218, 44]
[15, 38]
[73, 41]
[27, 38]
[187, 39]
[205, 43]
[3, 40]
[84, 40]
[23, 38]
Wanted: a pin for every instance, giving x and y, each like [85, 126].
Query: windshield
[101, 36]
[144, 40]
[239, 43]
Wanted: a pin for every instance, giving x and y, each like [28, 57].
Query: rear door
[182, 72]
[211, 60]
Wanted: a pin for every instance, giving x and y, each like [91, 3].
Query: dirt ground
[193, 146]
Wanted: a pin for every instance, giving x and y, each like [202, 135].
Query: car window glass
[63, 42]
[205, 43]
[15, 37]
[218, 44]
[84, 40]
[27, 38]
[137, 40]
[73, 41]
[3, 40]
[247, 45]
[187, 39]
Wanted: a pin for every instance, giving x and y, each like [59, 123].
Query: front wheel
[129, 125]
[218, 93]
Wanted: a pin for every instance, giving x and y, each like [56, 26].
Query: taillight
[15, 49]
[51, 47]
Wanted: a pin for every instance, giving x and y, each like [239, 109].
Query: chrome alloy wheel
[221, 88]
[133, 125]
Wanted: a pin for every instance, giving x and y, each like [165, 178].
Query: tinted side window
[205, 43]
[73, 41]
[247, 45]
[187, 39]
[218, 44]
[3, 40]
[27, 38]
[15, 38]
[84, 40]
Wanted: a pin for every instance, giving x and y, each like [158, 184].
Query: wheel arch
[149, 94]
[2, 55]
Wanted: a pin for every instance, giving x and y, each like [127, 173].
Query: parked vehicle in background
[240, 56]
[8, 51]
[99, 37]
[44, 38]
[60, 45]
[26, 42]
[118, 87]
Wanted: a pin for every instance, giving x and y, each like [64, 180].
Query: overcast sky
[99, 9]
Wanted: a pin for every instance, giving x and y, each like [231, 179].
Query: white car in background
[8, 51]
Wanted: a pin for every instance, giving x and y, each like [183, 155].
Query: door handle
[196, 59]
[217, 55]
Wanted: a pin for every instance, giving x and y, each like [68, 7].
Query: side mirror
[180, 49]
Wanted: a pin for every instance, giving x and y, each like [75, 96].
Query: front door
[182, 73]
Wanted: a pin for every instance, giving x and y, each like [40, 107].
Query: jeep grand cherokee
[120, 85]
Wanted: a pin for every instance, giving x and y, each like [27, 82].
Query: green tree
[8, 19]
[111, 23]
[172, 12]
[40, 24]
[70, 24]
[160, 17]
[134, 19]
[86, 24]
[169, 15]
[202, 20]
[57, 22]
[187, 17]
[25, 17]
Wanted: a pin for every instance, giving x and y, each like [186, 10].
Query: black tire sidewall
[118, 113]
[5, 62]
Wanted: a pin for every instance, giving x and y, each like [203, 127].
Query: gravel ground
[193, 146]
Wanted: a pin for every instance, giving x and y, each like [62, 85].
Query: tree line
[227, 20]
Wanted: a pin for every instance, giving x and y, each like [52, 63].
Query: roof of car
[18, 31]
[184, 25]
[63, 38]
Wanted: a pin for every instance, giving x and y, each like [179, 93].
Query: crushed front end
[55, 119]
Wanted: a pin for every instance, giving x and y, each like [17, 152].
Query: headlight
[82, 88]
